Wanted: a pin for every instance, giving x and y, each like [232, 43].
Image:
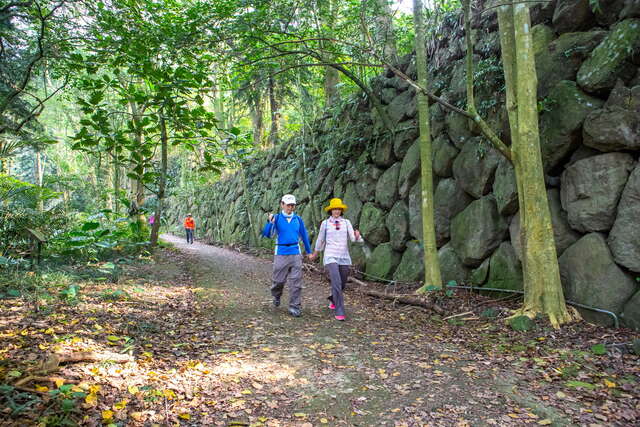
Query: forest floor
[197, 342]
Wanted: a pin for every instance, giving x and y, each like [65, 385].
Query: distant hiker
[287, 261]
[333, 237]
[189, 228]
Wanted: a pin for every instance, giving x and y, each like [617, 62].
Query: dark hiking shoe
[276, 302]
[295, 312]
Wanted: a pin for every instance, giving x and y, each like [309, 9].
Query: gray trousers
[288, 267]
[338, 274]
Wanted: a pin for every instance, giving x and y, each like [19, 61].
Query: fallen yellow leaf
[324, 421]
[60, 382]
[120, 405]
[42, 388]
[246, 392]
[300, 415]
[609, 384]
[133, 389]
[185, 416]
[94, 389]
[107, 414]
[544, 422]
[91, 399]
[169, 394]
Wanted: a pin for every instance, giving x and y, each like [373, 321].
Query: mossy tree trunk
[432, 275]
[542, 286]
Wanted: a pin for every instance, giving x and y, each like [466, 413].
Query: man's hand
[356, 234]
[312, 256]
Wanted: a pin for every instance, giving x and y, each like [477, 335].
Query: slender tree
[432, 275]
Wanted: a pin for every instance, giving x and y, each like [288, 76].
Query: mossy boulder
[505, 271]
[478, 276]
[444, 153]
[366, 183]
[402, 107]
[372, 224]
[505, 188]
[458, 128]
[562, 58]
[383, 153]
[591, 277]
[611, 59]
[404, 138]
[398, 225]
[561, 124]
[591, 189]
[624, 238]
[411, 267]
[415, 211]
[477, 231]
[573, 15]
[474, 168]
[612, 129]
[449, 200]
[383, 261]
[387, 186]
[541, 35]
[451, 267]
[360, 253]
[354, 205]
[409, 169]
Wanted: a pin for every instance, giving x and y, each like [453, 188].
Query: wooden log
[401, 298]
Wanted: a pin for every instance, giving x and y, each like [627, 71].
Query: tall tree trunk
[137, 187]
[432, 275]
[385, 33]
[331, 81]
[164, 140]
[116, 184]
[38, 173]
[257, 121]
[542, 285]
[275, 113]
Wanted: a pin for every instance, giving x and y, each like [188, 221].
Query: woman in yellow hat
[333, 237]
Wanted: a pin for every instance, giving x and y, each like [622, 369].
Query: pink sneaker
[340, 317]
[332, 306]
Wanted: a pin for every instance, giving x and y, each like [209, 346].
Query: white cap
[288, 199]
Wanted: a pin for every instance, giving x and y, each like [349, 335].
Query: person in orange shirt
[189, 227]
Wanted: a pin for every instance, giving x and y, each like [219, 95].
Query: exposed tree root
[555, 319]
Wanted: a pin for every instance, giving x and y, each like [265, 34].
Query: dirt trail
[380, 367]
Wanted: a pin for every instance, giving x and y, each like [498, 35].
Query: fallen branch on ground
[54, 360]
[403, 299]
[458, 315]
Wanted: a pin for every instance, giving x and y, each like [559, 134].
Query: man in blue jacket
[287, 261]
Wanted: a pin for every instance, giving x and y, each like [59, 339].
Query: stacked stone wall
[589, 100]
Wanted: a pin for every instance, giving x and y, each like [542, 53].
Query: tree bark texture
[432, 275]
[164, 141]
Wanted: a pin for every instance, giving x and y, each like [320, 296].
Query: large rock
[398, 225]
[563, 235]
[366, 183]
[561, 124]
[631, 313]
[405, 135]
[402, 106]
[611, 60]
[411, 268]
[505, 271]
[354, 205]
[608, 11]
[451, 267]
[372, 224]
[475, 167]
[624, 97]
[561, 59]
[383, 261]
[444, 153]
[591, 189]
[505, 189]
[479, 275]
[591, 277]
[573, 15]
[387, 187]
[541, 36]
[449, 199]
[360, 254]
[383, 153]
[409, 170]
[477, 231]
[624, 238]
[612, 129]
[458, 128]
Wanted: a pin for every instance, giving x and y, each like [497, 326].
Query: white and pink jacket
[333, 238]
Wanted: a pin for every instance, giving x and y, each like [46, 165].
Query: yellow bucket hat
[335, 204]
